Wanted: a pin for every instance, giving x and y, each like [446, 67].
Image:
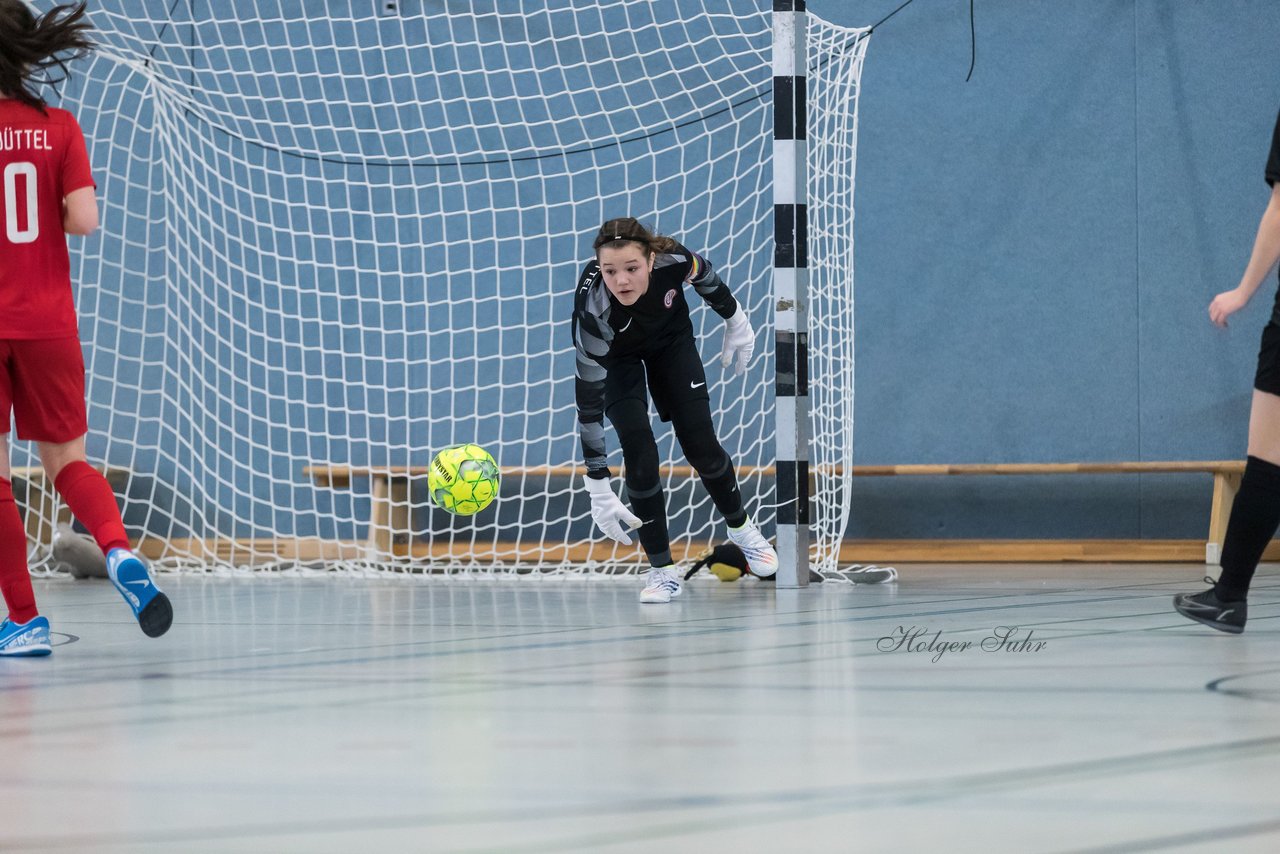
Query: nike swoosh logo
[625, 328]
[1209, 610]
[143, 582]
[697, 385]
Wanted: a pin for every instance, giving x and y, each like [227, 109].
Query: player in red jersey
[47, 193]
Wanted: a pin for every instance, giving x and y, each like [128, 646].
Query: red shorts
[42, 381]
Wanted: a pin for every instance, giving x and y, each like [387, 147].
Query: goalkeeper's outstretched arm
[589, 393]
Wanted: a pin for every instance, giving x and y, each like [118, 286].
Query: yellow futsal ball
[464, 479]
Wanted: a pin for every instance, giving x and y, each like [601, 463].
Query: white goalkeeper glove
[739, 341]
[608, 511]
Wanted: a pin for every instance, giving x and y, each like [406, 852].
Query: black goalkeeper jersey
[605, 331]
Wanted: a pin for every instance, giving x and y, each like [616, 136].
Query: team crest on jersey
[669, 298]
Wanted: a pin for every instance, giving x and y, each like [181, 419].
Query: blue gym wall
[1037, 249]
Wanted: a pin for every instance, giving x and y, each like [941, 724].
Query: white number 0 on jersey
[32, 231]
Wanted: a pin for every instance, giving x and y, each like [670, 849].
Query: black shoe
[1207, 608]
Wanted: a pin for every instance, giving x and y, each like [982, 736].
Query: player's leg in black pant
[697, 437]
[630, 419]
[626, 405]
[1255, 513]
[679, 387]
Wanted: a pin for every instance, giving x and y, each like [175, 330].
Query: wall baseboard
[261, 551]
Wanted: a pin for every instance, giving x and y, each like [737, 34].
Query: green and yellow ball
[464, 479]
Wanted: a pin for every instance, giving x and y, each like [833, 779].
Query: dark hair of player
[627, 229]
[30, 47]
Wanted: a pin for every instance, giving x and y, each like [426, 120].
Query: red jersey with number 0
[42, 159]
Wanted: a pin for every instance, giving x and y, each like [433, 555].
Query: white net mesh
[351, 240]
[836, 55]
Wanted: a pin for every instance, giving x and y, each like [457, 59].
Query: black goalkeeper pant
[679, 386]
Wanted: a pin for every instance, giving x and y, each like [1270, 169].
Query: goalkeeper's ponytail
[629, 230]
[34, 46]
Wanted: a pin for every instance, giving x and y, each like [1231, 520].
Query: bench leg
[399, 518]
[1225, 487]
[42, 511]
[378, 544]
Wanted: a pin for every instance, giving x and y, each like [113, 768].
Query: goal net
[332, 245]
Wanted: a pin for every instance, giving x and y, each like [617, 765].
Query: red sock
[15, 578]
[91, 500]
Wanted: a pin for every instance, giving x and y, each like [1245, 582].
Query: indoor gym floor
[410, 714]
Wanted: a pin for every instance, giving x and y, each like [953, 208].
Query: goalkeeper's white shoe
[662, 585]
[761, 557]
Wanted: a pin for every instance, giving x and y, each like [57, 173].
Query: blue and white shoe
[29, 638]
[662, 586]
[150, 606]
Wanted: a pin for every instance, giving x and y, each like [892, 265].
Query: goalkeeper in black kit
[633, 338]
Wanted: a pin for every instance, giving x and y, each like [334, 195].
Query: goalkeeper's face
[626, 270]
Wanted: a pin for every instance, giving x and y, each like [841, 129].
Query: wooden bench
[1226, 482]
[43, 510]
[389, 487]
[388, 500]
